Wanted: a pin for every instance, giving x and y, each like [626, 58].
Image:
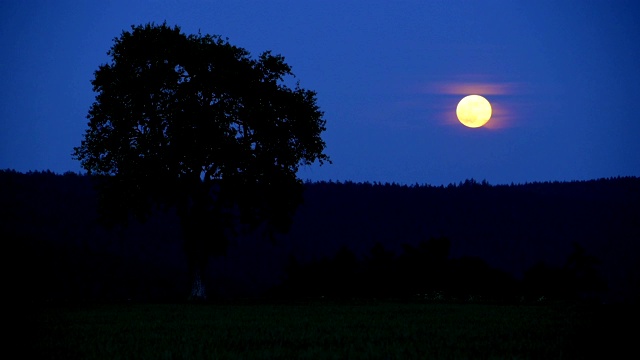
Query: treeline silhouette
[427, 272]
[552, 240]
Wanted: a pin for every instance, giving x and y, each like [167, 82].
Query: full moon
[473, 111]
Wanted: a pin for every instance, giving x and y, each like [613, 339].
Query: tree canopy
[180, 117]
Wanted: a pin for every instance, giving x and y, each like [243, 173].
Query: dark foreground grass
[346, 330]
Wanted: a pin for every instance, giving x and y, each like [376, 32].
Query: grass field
[323, 330]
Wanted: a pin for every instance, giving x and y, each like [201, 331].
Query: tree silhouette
[582, 269]
[423, 268]
[380, 279]
[578, 279]
[195, 123]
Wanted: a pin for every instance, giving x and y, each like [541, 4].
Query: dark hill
[51, 221]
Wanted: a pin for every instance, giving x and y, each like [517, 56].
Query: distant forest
[471, 240]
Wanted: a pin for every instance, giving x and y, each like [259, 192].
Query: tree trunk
[198, 292]
[197, 259]
[193, 232]
[203, 235]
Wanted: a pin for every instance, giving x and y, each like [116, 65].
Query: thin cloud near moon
[498, 93]
[460, 88]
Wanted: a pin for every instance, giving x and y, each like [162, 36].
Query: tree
[194, 123]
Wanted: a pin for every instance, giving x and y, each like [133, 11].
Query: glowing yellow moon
[473, 111]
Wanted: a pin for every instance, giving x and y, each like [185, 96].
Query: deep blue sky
[563, 78]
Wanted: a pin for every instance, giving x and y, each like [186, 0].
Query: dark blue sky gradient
[562, 77]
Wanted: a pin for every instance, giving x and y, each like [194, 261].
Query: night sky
[562, 77]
